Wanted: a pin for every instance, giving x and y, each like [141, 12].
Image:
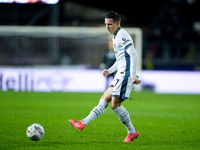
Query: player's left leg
[121, 91]
[124, 117]
[122, 113]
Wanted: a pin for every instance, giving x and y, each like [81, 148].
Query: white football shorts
[122, 86]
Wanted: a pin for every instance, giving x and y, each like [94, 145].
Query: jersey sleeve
[127, 44]
[133, 60]
[113, 68]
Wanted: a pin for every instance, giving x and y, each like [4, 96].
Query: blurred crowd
[173, 36]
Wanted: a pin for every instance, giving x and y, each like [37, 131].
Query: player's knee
[113, 106]
[106, 97]
[116, 102]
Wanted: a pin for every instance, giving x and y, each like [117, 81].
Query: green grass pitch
[164, 121]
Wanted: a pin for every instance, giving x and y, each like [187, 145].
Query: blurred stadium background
[30, 55]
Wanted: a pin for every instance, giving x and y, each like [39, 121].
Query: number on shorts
[116, 82]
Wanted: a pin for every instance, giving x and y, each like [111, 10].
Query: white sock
[96, 111]
[124, 117]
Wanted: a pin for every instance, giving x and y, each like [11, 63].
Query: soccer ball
[35, 132]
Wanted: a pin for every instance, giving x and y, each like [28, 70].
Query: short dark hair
[113, 15]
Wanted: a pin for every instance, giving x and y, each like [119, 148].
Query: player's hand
[105, 72]
[135, 80]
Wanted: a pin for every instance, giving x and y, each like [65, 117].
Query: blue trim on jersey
[117, 32]
[128, 46]
[128, 63]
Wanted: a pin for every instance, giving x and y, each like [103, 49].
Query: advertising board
[92, 80]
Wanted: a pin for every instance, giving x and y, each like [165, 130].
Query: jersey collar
[117, 32]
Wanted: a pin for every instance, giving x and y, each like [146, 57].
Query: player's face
[111, 26]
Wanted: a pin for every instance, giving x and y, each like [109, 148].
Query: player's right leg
[96, 111]
[77, 124]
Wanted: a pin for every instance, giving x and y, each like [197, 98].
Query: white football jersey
[125, 53]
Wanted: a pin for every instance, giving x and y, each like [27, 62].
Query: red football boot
[77, 124]
[131, 137]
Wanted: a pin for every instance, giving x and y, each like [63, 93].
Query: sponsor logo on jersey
[125, 41]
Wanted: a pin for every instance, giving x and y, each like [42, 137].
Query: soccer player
[123, 82]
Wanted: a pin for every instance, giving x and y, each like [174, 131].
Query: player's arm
[112, 69]
[133, 63]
